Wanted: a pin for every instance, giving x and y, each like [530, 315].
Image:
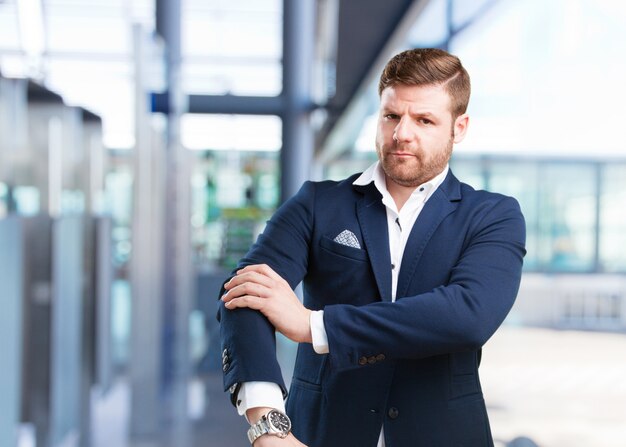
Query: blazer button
[224, 353]
[380, 357]
[363, 361]
[226, 367]
[393, 413]
[225, 360]
[371, 360]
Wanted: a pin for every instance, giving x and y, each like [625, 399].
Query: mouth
[402, 154]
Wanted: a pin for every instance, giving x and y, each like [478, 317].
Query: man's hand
[253, 415]
[275, 441]
[261, 288]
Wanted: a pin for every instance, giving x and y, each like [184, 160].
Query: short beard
[427, 169]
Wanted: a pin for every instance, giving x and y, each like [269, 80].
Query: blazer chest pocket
[343, 250]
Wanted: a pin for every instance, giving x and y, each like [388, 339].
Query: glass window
[104, 88]
[4, 205]
[73, 33]
[221, 76]
[231, 132]
[566, 217]
[88, 56]
[232, 47]
[517, 57]
[469, 170]
[613, 219]
[9, 32]
[27, 200]
[233, 194]
[521, 180]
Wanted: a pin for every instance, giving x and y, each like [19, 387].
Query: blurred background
[144, 143]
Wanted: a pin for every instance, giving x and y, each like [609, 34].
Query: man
[406, 274]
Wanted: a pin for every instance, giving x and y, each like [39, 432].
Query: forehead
[432, 97]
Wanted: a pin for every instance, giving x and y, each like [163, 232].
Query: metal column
[146, 261]
[177, 268]
[11, 345]
[298, 55]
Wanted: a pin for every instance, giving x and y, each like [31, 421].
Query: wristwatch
[274, 422]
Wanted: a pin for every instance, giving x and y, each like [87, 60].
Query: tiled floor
[219, 426]
[557, 388]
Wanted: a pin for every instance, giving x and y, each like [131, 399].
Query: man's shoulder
[477, 200]
[331, 186]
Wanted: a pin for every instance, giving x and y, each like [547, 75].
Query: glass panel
[231, 132]
[232, 47]
[26, 200]
[88, 57]
[118, 203]
[230, 33]
[104, 88]
[521, 180]
[469, 170]
[345, 167]
[11, 344]
[67, 327]
[613, 219]
[4, 200]
[9, 32]
[567, 217]
[233, 194]
[216, 76]
[519, 92]
[89, 35]
[121, 308]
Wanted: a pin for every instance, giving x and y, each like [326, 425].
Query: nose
[403, 131]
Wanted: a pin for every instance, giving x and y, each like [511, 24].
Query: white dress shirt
[399, 224]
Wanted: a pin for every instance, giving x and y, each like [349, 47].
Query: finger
[263, 269]
[247, 288]
[249, 276]
[251, 302]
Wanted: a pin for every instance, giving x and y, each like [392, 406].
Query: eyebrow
[424, 115]
[417, 114]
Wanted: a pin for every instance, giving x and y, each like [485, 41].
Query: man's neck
[400, 194]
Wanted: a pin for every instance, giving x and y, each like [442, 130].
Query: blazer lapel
[373, 220]
[443, 201]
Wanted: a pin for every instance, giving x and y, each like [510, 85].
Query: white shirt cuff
[318, 332]
[259, 394]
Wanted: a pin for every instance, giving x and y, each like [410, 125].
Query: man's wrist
[309, 335]
[269, 421]
[260, 394]
[253, 415]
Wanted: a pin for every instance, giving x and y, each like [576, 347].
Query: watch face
[279, 421]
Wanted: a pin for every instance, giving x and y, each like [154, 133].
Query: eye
[425, 121]
[391, 116]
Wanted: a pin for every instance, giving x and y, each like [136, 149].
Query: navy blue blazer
[411, 365]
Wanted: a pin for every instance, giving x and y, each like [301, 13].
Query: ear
[460, 127]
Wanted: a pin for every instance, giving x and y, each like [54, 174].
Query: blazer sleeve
[248, 338]
[458, 316]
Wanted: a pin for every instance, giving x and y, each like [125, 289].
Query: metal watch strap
[257, 430]
[274, 422]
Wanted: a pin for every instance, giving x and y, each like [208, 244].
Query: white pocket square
[347, 237]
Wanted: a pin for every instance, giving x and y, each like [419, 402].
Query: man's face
[416, 133]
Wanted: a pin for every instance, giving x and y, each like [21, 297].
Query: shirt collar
[375, 174]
